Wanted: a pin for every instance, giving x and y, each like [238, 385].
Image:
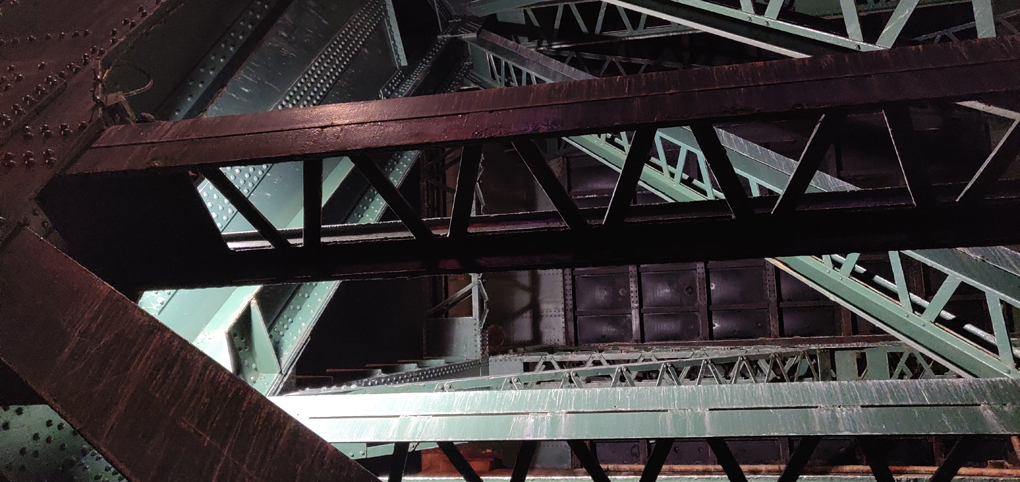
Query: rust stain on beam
[154, 405]
[953, 71]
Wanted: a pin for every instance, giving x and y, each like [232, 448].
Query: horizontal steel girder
[874, 220]
[747, 410]
[661, 99]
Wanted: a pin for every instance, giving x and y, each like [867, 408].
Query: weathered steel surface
[671, 98]
[894, 407]
[149, 401]
[48, 115]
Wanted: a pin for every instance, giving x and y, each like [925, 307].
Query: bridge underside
[442, 240]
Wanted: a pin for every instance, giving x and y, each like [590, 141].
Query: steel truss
[675, 368]
[965, 358]
[117, 151]
[263, 349]
[264, 346]
[767, 172]
[139, 375]
[759, 24]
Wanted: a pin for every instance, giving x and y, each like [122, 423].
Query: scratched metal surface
[808, 408]
[153, 404]
[569, 107]
[132, 388]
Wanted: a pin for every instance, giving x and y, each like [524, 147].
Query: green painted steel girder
[891, 407]
[821, 9]
[766, 30]
[938, 342]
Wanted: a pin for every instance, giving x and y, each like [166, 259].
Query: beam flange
[956, 70]
[890, 407]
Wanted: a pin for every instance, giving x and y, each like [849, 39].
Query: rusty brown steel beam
[154, 405]
[783, 87]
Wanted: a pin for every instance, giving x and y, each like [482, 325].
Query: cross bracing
[765, 172]
[260, 343]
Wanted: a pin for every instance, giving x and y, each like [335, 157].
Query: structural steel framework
[184, 397]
